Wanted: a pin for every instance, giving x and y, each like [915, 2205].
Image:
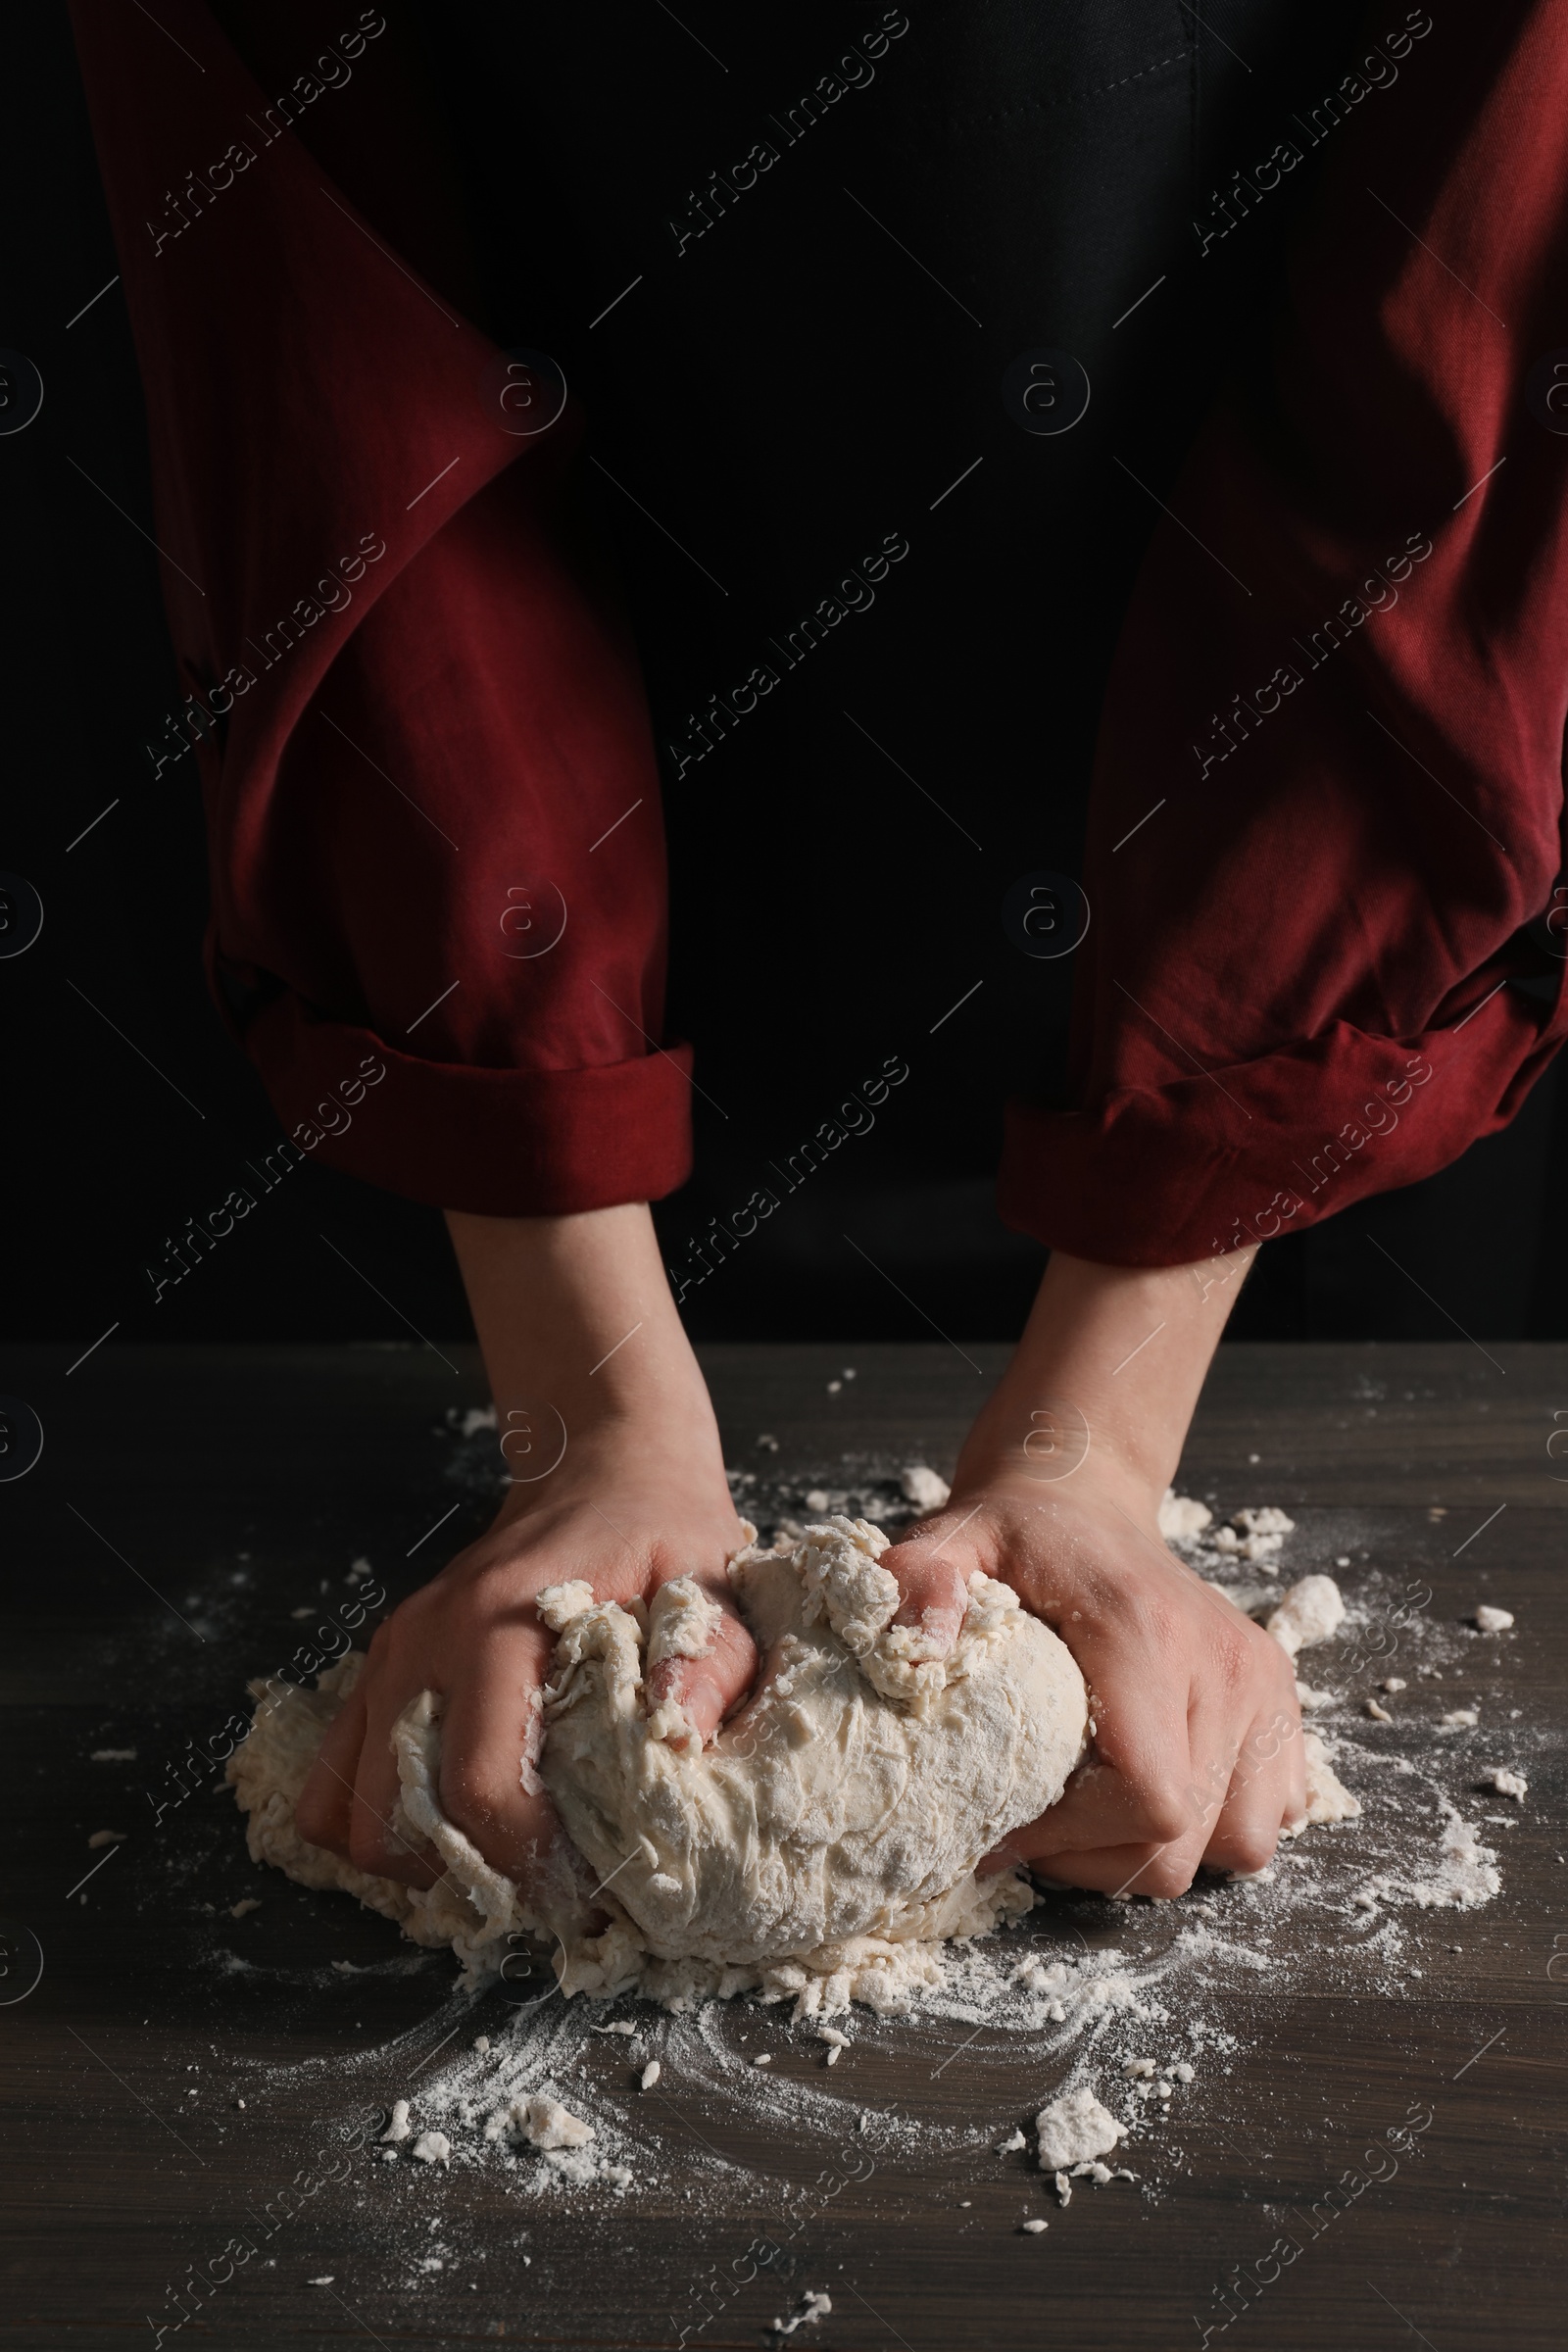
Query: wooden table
[168, 1473]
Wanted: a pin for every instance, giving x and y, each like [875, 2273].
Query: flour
[1310, 1612]
[542, 2122]
[1073, 2129]
[1181, 1518]
[821, 1848]
[811, 2308]
[1255, 1536]
[924, 1489]
[1179, 1985]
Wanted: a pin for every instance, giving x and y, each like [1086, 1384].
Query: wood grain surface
[193, 1511]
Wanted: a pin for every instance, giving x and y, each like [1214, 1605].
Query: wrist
[1104, 1381]
[577, 1326]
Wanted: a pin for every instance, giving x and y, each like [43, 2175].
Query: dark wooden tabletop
[192, 1511]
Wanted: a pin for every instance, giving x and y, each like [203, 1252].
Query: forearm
[575, 1318]
[1105, 1377]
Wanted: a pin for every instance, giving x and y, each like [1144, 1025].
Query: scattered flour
[1329, 1911]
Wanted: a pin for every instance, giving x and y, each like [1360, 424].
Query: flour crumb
[326, 2281]
[763, 2058]
[1075, 2127]
[1492, 1621]
[1182, 2070]
[1311, 1701]
[1394, 1682]
[1033, 2229]
[812, 2307]
[650, 2075]
[543, 2122]
[113, 1755]
[622, 2024]
[924, 1487]
[1506, 1782]
[398, 2128]
[243, 1908]
[477, 1417]
[432, 2147]
[1254, 1535]
[1063, 2189]
[1181, 1518]
[1377, 1714]
[1327, 1798]
[1459, 1719]
[1133, 2068]
[106, 1838]
[1012, 2144]
[1309, 1612]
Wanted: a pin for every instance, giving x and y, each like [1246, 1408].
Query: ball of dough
[854, 1794]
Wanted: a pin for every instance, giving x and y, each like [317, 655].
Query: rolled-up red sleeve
[437, 854]
[1328, 791]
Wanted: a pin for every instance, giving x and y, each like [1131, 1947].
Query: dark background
[127, 1108]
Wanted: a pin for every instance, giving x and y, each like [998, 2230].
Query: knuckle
[1165, 1809]
[312, 1816]
[367, 1850]
[1236, 1660]
[1168, 1875]
[473, 1797]
[1250, 1849]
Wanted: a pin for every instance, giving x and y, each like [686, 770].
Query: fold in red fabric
[1329, 783]
[433, 812]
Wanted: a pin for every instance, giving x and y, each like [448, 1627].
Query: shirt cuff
[496, 1142]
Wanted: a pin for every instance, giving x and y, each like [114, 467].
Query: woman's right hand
[574, 1315]
[626, 1521]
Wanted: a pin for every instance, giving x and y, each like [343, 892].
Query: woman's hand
[638, 1497]
[1196, 1749]
[1196, 1752]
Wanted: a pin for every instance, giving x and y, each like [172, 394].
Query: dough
[821, 1845]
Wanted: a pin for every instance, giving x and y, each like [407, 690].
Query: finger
[326, 1801]
[934, 1582]
[489, 1788]
[1257, 1800]
[1137, 1786]
[710, 1684]
[375, 1842]
[1160, 1871]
